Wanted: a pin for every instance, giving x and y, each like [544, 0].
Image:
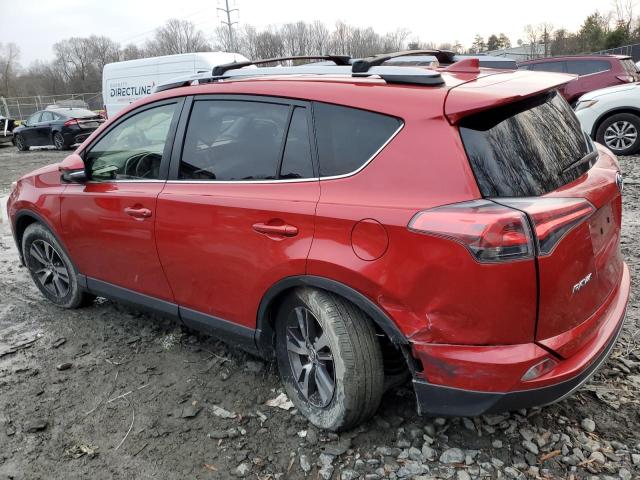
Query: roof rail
[363, 65]
[220, 70]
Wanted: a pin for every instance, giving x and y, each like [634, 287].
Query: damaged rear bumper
[569, 375]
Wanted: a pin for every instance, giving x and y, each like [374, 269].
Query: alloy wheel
[49, 269]
[310, 357]
[58, 141]
[19, 142]
[620, 135]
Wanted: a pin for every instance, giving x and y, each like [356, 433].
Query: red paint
[578, 86]
[218, 247]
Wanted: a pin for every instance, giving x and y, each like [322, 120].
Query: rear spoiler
[497, 89]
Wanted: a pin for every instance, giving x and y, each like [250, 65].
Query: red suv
[362, 224]
[594, 72]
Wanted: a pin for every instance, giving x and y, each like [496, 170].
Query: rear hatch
[532, 155]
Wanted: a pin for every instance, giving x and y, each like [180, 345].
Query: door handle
[139, 213]
[283, 230]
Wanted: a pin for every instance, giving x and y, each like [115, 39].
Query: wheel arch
[23, 219]
[265, 334]
[609, 113]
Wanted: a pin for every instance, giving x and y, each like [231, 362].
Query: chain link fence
[20, 108]
[631, 50]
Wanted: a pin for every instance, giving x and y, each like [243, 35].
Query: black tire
[47, 261]
[356, 358]
[21, 143]
[620, 133]
[58, 141]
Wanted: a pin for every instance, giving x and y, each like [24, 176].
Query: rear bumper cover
[442, 400]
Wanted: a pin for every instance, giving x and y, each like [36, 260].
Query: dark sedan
[60, 127]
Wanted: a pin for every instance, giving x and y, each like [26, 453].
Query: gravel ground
[109, 392]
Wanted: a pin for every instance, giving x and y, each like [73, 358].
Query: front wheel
[51, 269]
[21, 143]
[620, 133]
[329, 359]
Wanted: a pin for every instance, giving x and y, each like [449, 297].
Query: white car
[611, 116]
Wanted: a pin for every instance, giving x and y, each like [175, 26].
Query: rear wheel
[58, 141]
[51, 269]
[329, 359]
[21, 143]
[620, 133]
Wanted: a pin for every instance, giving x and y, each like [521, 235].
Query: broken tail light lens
[71, 122]
[552, 218]
[539, 369]
[491, 232]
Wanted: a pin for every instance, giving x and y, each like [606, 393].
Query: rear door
[533, 156]
[237, 214]
[43, 130]
[109, 222]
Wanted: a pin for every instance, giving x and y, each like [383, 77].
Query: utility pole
[228, 11]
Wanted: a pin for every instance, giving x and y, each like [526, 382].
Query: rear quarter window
[587, 67]
[348, 138]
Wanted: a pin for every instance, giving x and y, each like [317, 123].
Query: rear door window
[587, 67]
[526, 149]
[349, 138]
[549, 67]
[46, 117]
[233, 140]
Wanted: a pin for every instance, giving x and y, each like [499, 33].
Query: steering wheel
[144, 167]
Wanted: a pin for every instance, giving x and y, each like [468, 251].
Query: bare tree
[9, 54]
[177, 36]
[319, 38]
[132, 52]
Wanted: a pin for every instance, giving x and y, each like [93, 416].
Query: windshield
[526, 149]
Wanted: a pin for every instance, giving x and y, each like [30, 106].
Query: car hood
[609, 90]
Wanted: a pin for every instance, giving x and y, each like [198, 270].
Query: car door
[29, 132]
[109, 222]
[43, 128]
[237, 214]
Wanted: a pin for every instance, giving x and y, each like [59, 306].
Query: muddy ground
[110, 392]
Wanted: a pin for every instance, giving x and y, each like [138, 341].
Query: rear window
[348, 138]
[587, 67]
[629, 66]
[527, 148]
[76, 113]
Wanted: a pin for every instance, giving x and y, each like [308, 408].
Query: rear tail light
[500, 232]
[491, 232]
[626, 78]
[552, 218]
[71, 122]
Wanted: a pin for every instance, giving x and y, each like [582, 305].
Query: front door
[109, 222]
[237, 214]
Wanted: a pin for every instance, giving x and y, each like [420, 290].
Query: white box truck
[126, 82]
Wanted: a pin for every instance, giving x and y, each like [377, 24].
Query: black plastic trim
[439, 400]
[264, 333]
[38, 218]
[98, 287]
[238, 335]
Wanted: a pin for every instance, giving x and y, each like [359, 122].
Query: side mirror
[72, 169]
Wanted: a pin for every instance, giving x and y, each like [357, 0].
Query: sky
[35, 25]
